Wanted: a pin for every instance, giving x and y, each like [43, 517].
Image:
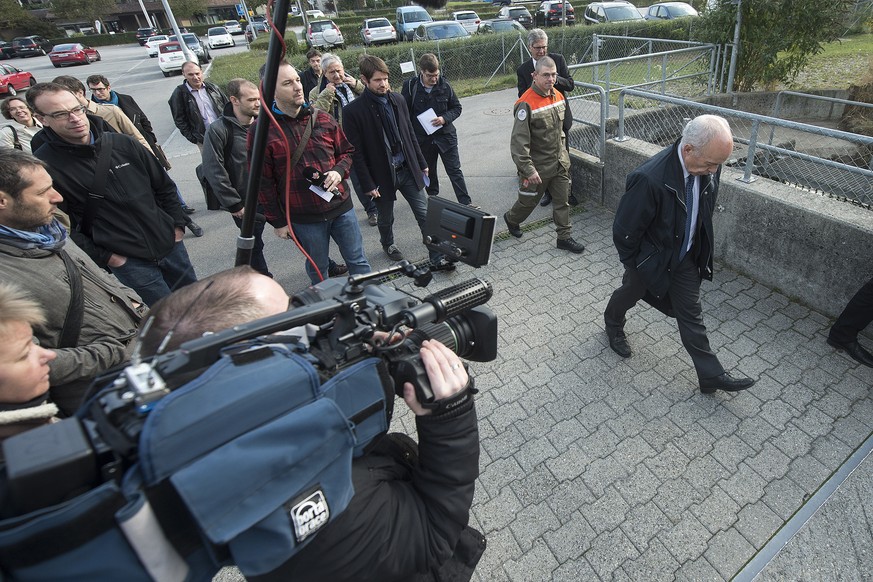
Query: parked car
[218, 36]
[196, 46]
[377, 31]
[13, 79]
[143, 34]
[551, 13]
[233, 26]
[170, 57]
[468, 19]
[324, 34]
[500, 25]
[600, 12]
[153, 42]
[518, 13]
[6, 50]
[315, 15]
[670, 10]
[502, 2]
[31, 46]
[440, 30]
[73, 54]
[408, 18]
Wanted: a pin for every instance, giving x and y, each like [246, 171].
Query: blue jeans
[344, 230]
[153, 280]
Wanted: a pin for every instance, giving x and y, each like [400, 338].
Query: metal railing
[829, 161]
[583, 140]
[689, 71]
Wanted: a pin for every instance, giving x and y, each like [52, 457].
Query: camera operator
[408, 517]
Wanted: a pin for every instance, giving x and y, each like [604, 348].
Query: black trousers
[452, 163]
[855, 317]
[685, 297]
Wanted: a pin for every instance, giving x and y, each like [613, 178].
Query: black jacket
[405, 517]
[444, 102]
[309, 80]
[186, 114]
[139, 119]
[225, 165]
[649, 224]
[564, 84]
[141, 209]
[372, 160]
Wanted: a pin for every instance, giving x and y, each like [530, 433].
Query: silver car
[324, 34]
[468, 19]
[378, 31]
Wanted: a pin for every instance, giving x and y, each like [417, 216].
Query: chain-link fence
[820, 159]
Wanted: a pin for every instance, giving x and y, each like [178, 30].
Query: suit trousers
[451, 162]
[684, 295]
[559, 187]
[857, 315]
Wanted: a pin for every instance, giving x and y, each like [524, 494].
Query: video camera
[338, 322]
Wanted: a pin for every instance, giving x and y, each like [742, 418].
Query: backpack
[243, 465]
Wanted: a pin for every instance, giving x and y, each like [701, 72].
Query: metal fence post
[664, 75]
[750, 156]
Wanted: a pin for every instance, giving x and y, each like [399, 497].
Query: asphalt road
[129, 70]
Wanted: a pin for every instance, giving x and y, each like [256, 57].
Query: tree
[187, 9]
[777, 37]
[83, 10]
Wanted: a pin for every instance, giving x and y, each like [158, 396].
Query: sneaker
[514, 229]
[568, 244]
[194, 228]
[473, 206]
[337, 270]
[443, 264]
[372, 219]
[393, 253]
[546, 200]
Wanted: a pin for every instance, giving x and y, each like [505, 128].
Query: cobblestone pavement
[594, 467]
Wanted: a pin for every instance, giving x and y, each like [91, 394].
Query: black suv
[143, 34]
[31, 46]
[551, 13]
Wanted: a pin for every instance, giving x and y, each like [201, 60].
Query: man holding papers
[433, 106]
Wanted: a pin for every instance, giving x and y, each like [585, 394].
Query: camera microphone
[315, 177]
[449, 302]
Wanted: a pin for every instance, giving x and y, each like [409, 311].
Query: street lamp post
[189, 56]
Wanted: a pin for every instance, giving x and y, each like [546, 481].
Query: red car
[73, 54]
[13, 79]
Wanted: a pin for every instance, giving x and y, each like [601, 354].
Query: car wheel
[99, 58]
[10, 90]
[42, 52]
[32, 81]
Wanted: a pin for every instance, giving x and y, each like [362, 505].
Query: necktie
[689, 206]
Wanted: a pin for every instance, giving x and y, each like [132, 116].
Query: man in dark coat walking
[387, 157]
[664, 236]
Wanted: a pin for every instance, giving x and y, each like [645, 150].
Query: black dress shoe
[194, 228]
[546, 200]
[514, 229]
[724, 382]
[568, 244]
[188, 210]
[855, 350]
[618, 343]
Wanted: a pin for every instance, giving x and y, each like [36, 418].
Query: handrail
[604, 113]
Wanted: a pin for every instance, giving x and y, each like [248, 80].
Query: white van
[408, 19]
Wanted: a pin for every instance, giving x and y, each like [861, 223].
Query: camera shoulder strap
[73, 320]
[304, 139]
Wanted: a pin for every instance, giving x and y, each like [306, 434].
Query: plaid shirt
[327, 149]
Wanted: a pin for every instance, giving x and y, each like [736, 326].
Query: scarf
[385, 113]
[113, 99]
[49, 237]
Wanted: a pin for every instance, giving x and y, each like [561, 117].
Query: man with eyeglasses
[132, 223]
[538, 44]
[537, 148]
[437, 136]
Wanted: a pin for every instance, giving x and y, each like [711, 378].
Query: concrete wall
[814, 249]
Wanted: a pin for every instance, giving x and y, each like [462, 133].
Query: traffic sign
[240, 10]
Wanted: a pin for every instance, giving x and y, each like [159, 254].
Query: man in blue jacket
[664, 236]
[429, 90]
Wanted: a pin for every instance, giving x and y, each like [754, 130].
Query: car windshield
[379, 23]
[443, 31]
[421, 16]
[622, 13]
[501, 26]
[171, 48]
[517, 12]
[466, 16]
[677, 10]
[22, 42]
[216, 31]
[66, 47]
[321, 26]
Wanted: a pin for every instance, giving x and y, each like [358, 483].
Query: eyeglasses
[540, 48]
[61, 115]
